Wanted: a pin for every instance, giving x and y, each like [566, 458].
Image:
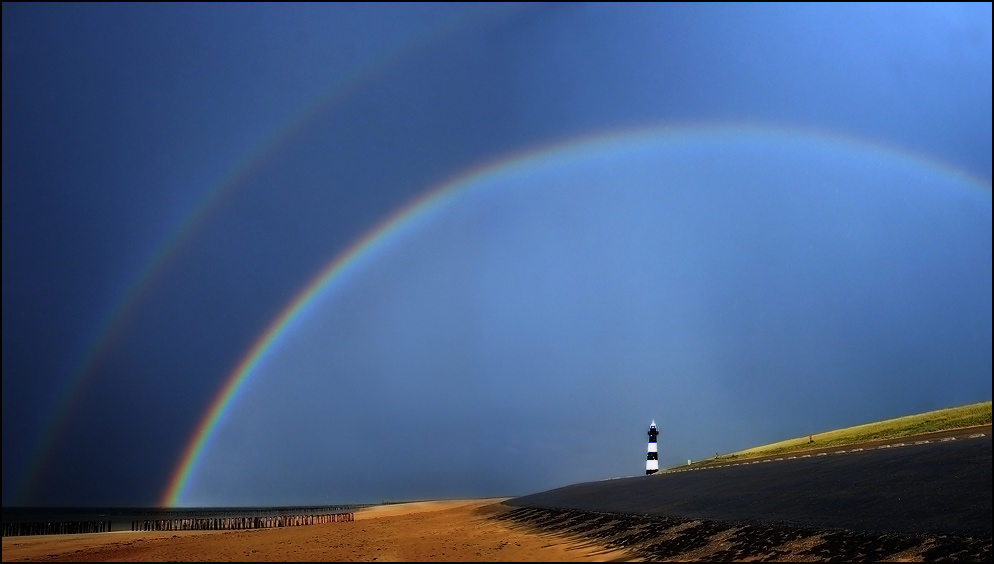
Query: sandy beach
[453, 530]
[485, 530]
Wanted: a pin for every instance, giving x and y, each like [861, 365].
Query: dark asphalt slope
[942, 487]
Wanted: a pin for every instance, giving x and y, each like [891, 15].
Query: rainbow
[435, 201]
[119, 316]
[122, 312]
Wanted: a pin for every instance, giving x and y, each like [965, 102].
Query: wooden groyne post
[55, 528]
[237, 523]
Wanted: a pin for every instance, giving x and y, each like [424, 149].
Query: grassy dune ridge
[909, 425]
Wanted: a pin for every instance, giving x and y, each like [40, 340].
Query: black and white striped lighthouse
[652, 458]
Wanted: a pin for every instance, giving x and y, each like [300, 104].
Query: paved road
[942, 486]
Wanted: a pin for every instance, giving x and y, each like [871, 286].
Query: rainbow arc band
[434, 202]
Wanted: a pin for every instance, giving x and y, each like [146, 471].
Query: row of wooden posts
[229, 523]
[56, 528]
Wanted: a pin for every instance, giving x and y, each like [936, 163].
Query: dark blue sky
[778, 222]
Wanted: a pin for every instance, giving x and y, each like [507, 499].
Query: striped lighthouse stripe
[651, 458]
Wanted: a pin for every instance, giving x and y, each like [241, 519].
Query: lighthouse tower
[652, 459]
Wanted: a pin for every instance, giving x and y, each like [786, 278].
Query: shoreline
[486, 530]
[446, 530]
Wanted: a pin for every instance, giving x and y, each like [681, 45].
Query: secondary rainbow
[406, 220]
[124, 308]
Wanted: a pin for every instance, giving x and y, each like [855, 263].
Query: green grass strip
[907, 426]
